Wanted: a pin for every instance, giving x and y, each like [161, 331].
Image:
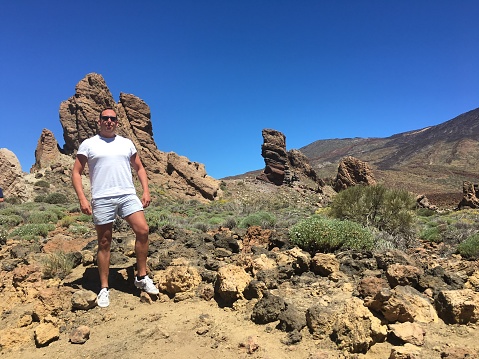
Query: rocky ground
[239, 294]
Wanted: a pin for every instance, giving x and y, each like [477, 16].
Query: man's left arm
[141, 172]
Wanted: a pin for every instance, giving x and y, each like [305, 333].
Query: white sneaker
[147, 285]
[103, 298]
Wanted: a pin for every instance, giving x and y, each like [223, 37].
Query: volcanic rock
[352, 172]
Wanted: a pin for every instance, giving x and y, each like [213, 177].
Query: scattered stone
[80, 335]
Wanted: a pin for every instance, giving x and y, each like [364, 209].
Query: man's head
[107, 122]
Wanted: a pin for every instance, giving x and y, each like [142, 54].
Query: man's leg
[137, 222]
[104, 233]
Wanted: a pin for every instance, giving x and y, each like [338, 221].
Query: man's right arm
[77, 171]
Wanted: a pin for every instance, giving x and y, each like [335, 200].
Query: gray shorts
[106, 209]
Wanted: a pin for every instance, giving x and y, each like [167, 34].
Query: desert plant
[262, 219]
[469, 248]
[31, 230]
[42, 217]
[78, 229]
[321, 234]
[385, 209]
[58, 264]
[11, 220]
[42, 183]
[66, 221]
[56, 198]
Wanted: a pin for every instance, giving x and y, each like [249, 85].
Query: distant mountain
[433, 161]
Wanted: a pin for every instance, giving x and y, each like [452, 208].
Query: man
[1, 195]
[113, 193]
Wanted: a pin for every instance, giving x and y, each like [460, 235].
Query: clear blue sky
[217, 72]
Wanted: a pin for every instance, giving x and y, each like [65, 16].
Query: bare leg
[137, 222]
[104, 233]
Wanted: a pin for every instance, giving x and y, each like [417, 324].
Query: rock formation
[470, 194]
[352, 172]
[47, 152]
[79, 117]
[273, 151]
[11, 180]
[282, 166]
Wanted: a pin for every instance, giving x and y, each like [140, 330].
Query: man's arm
[77, 171]
[141, 172]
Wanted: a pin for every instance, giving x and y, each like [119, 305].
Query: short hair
[106, 108]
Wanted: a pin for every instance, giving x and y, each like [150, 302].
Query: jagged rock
[408, 332]
[268, 309]
[84, 299]
[423, 202]
[231, 281]
[45, 333]
[300, 165]
[275, 158]
[282, 167]
[406, 304]
[470, 194]
[11, 178]
[348, 323]
[79, 116]
[47, 151]
[400, 274]
[179, 277]
[458, 306]
[324, 264]
[352, 172]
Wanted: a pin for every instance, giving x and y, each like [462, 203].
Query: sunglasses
[106, 118]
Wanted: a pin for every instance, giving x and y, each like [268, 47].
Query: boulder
[12, 177]
[458, 306]
[353, 172]
[348, 323]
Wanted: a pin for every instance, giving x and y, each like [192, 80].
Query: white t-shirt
[109, 165]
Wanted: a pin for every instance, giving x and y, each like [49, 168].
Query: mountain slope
[434, 160]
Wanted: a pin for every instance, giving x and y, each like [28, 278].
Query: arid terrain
[202, 321]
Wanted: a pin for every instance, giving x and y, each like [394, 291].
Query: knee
[142, 232]
[104, 244]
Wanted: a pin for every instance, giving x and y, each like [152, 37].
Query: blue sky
[217, 72]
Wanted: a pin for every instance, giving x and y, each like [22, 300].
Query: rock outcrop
[47, 152]
[469, 195]
[352, 172]
[11, 179]
[79, 118]
[281, 166]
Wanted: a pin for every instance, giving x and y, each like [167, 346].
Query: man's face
[108, 123]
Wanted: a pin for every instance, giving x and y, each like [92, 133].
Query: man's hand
[145, 200]
[85, 207]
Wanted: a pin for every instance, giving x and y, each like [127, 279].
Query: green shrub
[42, 183]
[327, 235]
[384, 209]
[67, 221]
[469, 248]
[11, 220]
[262, 219]
[39, 199]
[431, 234]
[78, 229]
[32, 230]
[56, 198]
[84, 218]
[42, 217]
[58, 265]
[157, 219]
